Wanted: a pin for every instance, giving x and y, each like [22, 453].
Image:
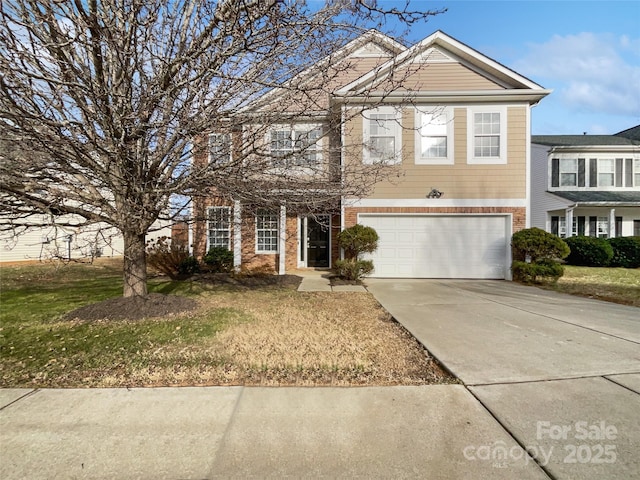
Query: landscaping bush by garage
[536, 255]
[626, 252]
[589, 251]
[355, 241]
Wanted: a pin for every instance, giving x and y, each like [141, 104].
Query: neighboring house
[62, 240]
[457, 128]
[586, 184]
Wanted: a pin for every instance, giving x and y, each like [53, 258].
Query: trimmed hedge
[626, 252]
[536, 255]
[535, 244]
[352, 269]
[589, 251]
[531, 272]
[219, 260]
[358, 239]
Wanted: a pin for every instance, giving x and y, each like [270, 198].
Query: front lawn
[619, 285]
[263, 335]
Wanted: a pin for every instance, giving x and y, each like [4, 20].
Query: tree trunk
[135, 265]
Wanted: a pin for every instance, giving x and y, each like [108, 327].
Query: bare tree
[104, 104]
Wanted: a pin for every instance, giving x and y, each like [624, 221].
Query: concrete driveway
[560, 373]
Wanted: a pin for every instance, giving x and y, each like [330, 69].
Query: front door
[318, 233]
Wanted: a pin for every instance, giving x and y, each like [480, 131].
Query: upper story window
[382, 135]
[219, 148]
[219, 231]
[434, 136]
[606, 172]
[266, 232]
[568, 171]
[487, 135]
[296, 147]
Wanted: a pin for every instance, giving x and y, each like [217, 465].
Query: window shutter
[555, 173]
[618, 230]
[593, 172]
[581, 172]
[554, 224]
[581, 222]
[593, 226]
[618, 174]
[628, 176]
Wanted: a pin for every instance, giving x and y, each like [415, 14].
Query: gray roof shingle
[633, 133]
[582, 140]
[601, 197]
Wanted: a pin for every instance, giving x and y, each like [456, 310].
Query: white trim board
[436, 202]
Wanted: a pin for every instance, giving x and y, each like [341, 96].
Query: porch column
[612, 223]
[237, 235]
[282, 240]
[568, 216]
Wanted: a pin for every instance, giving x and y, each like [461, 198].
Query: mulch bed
[159, 305]
[134, 308]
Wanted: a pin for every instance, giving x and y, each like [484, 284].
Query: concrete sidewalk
[319, 281]
[436, 432]
[560, 373]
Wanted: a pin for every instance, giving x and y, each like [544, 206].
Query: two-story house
[586, 185]
[454, 126]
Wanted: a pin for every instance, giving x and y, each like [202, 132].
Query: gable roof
[356, 46]
[632, 133]
[442, 44]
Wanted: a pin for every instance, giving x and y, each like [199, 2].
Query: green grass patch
[619, 285]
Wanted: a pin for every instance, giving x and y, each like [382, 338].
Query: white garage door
[447, 246]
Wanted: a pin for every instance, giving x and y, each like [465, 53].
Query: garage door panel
[445, 246]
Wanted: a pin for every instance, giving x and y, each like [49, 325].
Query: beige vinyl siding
[460, 180]
[313, 95]
[438, 77]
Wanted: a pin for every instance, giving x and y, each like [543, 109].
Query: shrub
[535, 244]
[589, 251]
[189, 266]
[626, 252]
[166, 257]
[358, 239]
[352, 269]
[219, 260]
[531, 272]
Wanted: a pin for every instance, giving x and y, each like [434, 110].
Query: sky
[587, 52]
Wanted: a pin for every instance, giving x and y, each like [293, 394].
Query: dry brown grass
[304, 339]
[254, 332]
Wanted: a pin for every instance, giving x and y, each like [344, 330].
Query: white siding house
[585, 185]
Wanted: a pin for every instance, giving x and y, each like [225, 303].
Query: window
[219, 227]
[602, 227]
[636, 172]
[562, 227]
[382, 135]
[606, 172]
[434, 137]
[266, 232]
[568, 172]
[295, 147]
[219, 148]
[487, 135]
